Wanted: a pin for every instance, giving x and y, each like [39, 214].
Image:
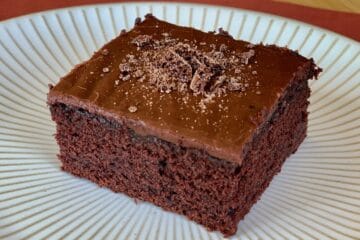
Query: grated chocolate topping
[171, 65]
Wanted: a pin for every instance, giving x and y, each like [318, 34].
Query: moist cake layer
[208, 190]
[227, 90]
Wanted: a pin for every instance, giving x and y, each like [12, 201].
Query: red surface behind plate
[347, 24]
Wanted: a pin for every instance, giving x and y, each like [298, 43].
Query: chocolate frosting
[228, 122]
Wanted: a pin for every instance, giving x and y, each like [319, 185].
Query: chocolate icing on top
[171, 65]
[196, 89]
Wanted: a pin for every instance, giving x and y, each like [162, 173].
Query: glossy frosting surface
[228, 122]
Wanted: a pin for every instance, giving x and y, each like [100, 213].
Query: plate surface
[316, 196]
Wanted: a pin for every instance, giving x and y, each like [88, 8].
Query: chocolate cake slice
[196, 123]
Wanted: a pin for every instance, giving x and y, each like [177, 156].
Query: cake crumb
[132, 109]
[122, 32]
[105, 52]
[250, 45]
[258, 92]
[117, 82]
[137, 21]
[106, 70]
[254, 72]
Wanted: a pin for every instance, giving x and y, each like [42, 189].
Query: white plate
[317, 194]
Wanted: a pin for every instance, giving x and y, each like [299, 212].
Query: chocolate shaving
[124, 77]
[170, 65]
[235, 84]
[142, 40]
[132, 109]
[223, 48]
[246, 56]
[218, 83]
[201, 78]
[250, 45]
[125, 68]
[138, 73]
[168, 69]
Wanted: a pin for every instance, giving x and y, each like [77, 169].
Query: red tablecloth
[347, 24]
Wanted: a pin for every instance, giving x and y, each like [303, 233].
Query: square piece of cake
[196, 123]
